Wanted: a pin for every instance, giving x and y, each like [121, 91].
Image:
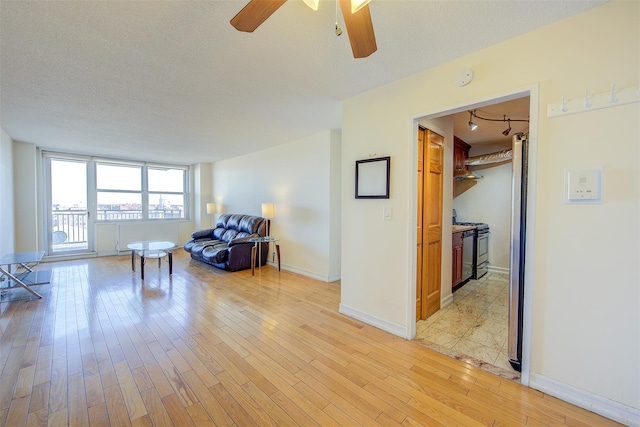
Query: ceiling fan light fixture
[356, 5]
[313, 4]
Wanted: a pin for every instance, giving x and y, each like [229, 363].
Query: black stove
[480, 226]
[480, 254]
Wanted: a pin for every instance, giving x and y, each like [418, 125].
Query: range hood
[485, 159]
[465, 175]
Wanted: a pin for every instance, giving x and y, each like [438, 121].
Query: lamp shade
[211, 208]
[268, 210]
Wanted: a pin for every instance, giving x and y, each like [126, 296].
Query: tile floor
[474, 327]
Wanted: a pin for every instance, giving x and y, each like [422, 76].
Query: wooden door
[421, 136]
[430, 222]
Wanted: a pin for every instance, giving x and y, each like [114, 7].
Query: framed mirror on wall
[372, 178]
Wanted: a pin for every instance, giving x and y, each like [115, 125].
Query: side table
[265, 239]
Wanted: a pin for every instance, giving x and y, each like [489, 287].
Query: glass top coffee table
[151, 249]
[25, 260]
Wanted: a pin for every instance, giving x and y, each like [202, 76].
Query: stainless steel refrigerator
[517, 253]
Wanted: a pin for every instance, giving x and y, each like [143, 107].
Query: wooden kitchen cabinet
[456, 259]
[460, 154]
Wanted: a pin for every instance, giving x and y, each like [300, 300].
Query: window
[166, 192]
[118, 192]
[128, 190]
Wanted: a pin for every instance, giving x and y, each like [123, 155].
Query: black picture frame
[372, 178]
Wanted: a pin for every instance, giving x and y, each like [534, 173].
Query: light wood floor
[206, 347]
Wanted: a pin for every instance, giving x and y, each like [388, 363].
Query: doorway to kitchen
[473, 324]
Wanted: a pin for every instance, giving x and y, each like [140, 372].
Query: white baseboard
[69, 257]
[391, 327]
[110, 253]
[334, 278]
[499, 270]
[306, 273]
[592, 402]
[446, 301]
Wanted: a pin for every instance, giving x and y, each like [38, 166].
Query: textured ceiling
[174, 81]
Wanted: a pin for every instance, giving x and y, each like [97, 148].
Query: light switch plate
[386, 213]
[583, 185]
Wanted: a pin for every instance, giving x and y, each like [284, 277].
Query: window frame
[94, 191]
[183, 193]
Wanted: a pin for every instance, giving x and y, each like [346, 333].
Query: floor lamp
[211, 209]
[268, 212]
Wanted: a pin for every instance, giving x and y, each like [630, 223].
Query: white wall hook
[611, 98]
[586, 103]
[612, 95]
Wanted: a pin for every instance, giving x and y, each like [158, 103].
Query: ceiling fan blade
[254, 14]
[360, 30]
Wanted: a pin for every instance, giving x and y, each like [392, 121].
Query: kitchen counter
[461, 228]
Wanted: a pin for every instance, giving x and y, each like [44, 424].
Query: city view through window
[122, 192]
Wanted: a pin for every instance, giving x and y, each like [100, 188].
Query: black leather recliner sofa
[227, 245]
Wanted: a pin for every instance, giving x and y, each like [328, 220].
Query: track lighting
[507, 130]
[472, 125]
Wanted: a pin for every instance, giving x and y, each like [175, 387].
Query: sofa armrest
[242, 240]
[202, 234]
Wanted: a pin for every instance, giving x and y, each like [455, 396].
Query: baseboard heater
[141, 231]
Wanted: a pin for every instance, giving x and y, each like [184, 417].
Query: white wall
[6, 194]
[583, 271]
[297, 177]
[25, 197]
[201, 195]
[335, 179]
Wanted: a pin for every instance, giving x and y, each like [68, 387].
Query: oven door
[467, 255]
[482, 248]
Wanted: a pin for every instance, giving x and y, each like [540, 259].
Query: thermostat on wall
[583, 185]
